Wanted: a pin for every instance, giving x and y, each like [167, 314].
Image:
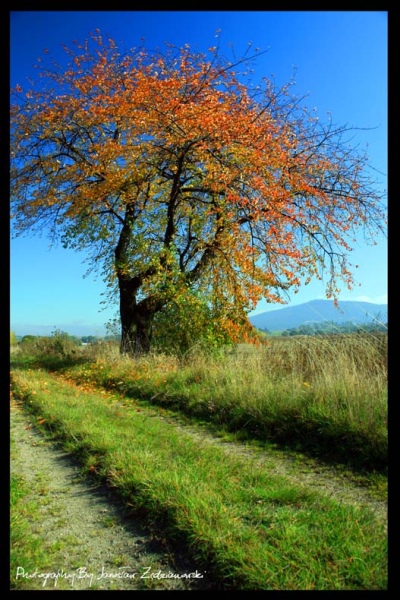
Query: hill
[318, 311]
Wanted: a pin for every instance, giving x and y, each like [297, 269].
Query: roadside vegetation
[26, 548]
[326, 396]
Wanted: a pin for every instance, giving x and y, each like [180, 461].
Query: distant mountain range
[318, 311]
[280, 319]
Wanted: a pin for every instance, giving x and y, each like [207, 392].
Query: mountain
[318, 311]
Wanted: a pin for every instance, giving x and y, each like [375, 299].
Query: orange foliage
[173, 166]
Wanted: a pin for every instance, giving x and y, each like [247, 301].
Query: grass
[21, 531]
[25, 549]
[250, 529]
[325, 396]
[29, 554]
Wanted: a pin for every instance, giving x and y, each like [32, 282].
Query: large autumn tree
[186, 183]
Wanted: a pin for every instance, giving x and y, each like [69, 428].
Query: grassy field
[252, 529]
[325, 396]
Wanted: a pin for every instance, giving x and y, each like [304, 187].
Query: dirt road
[100, 545]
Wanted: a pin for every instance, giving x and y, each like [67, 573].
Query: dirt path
[103, 548]
[107, 545]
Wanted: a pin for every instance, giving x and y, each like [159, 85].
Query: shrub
[59, 344]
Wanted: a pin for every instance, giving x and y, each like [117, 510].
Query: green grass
[325, 396]
[250, 529]
[25, 549]
[29, 554]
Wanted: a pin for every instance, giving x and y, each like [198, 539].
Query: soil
[108, 548]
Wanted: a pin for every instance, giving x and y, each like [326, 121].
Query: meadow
[131, 423]
[323, 395]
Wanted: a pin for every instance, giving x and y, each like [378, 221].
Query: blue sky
[341, 63]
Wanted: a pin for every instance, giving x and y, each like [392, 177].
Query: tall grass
[325, 395]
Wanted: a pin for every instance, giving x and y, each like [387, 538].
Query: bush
[59, 344]
[186, 324]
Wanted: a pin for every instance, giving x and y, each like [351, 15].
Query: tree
[183, 181]
[89, 339]
[29, 339]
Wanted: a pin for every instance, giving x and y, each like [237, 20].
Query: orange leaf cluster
[172, 158]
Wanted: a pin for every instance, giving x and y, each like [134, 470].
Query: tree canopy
[185, 182]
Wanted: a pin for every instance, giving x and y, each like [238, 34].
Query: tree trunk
[136, 319]
[136, 332]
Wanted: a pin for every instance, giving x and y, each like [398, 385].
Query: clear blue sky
[341, 62]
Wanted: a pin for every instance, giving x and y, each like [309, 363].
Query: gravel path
[105, 549]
